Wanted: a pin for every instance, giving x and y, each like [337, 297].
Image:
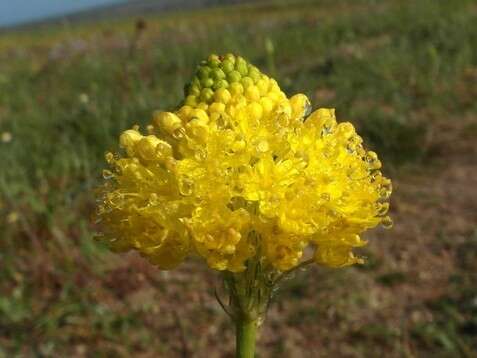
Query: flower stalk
[246, 335]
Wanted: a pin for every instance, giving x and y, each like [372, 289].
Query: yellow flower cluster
[240, 171]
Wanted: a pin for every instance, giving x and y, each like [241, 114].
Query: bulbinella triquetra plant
[252, 181]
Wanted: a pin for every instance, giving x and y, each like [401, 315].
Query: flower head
[239, 171]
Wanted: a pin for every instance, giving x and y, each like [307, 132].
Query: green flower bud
[234, 76]
[191, 101]
[193, 90]
[230, 57]
[203, 72]
[218, 74]
[206, 94]
[241, 66]
[220, 84]
[214, 62]
[207, 82]
[254, 74]
[247, 82]
[227, 66]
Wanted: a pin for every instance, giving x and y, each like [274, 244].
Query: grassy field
[404, 72]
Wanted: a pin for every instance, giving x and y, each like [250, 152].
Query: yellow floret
[222, 96]
[167, 121]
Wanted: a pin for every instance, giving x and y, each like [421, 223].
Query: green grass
[393, 68]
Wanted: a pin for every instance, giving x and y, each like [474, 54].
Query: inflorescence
[241, 171]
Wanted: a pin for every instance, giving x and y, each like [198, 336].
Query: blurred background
[73, 76]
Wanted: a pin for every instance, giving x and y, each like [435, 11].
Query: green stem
[246, 332]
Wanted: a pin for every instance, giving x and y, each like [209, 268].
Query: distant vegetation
[128, 9]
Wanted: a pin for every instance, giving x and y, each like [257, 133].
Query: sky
[14, 12]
